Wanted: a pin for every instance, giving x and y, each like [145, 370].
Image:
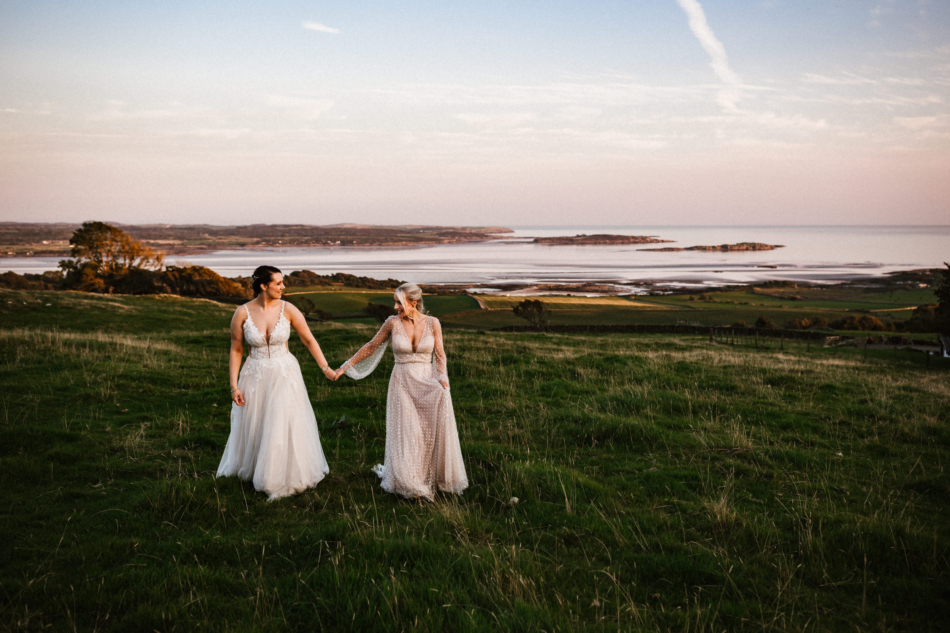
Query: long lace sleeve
[438, 352]
[365, 361]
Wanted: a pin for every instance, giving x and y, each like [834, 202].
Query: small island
[600, 239]
[721, 248]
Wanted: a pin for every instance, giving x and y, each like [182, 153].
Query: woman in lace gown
[423, 453]
[274, 440]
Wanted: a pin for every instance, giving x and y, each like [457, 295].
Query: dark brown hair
[262, 276]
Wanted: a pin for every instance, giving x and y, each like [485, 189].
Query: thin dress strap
[283, 304]
[246, 311]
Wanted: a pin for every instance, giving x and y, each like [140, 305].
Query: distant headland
[26, 239]
[721, 248]
[600, 239]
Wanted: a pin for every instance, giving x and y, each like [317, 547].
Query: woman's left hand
[444, 383]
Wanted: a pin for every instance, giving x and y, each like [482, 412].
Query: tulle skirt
[422, 443]
[274, 440]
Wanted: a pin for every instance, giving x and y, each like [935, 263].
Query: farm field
[708, 309]
[619, 482]
[831, 298]
[348, 301]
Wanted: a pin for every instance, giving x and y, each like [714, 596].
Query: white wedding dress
[422, 443]
[274, 440]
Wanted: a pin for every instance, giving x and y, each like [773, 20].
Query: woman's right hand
[237, 397]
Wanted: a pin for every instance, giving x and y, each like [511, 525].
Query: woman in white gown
[423, 453]
[274, 440]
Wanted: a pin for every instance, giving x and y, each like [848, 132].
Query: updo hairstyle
[410, 292]
[263, 275]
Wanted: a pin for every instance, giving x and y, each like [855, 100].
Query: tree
[102, 253]
[112, 250]
[942, 311]
[534, 311]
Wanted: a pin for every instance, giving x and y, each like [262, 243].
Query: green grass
[723, 308]
[664, 483]
[349, 301]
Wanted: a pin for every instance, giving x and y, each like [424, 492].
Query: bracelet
[235, 389]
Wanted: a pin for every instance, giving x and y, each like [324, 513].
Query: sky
[675, 112]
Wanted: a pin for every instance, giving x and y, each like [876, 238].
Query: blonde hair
[410, 292]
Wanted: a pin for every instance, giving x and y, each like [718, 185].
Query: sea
[813, 254]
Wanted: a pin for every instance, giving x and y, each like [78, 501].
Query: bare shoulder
[292, 310]
[240, 312]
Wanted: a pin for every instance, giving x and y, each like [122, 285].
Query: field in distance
[710, 308]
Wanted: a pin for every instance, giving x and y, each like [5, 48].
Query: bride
[274, 439]
[422, 444]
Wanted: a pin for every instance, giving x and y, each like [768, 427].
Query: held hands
[333, 375]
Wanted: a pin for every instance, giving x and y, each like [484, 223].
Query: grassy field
[710, 309]
[348, 301]
[663, 483]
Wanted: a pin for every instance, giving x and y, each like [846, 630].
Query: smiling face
[274, 288]
[403, 310]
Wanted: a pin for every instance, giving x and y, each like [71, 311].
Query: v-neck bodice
[261, 345]
[402, 344]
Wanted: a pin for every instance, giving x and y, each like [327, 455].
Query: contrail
[716, 51]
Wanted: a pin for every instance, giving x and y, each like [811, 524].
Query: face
[275, 288]
[401, 309]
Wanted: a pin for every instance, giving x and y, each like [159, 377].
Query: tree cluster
[106, 259]
[863, 323]
[305, 278]
[807, 324]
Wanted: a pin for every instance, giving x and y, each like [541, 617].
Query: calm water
[811, 253]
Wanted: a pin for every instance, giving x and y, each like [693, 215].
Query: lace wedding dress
[422, 443]
[274, 439]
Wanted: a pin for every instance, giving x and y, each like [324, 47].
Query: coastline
[811, 255]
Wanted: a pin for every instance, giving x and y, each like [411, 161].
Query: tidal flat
[619, 482]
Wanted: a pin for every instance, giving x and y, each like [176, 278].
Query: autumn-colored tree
[111, 250]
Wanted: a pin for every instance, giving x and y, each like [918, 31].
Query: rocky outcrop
[722, 248]
[600, 239]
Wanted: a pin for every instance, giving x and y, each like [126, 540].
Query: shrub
[740, 324]
[863, 323]
[765, 322]
[798, 324]
[533, 311]
[379, 311]
[923, 319]
[14, 281]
